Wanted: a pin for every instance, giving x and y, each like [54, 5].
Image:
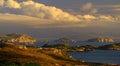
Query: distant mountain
[65, 40]
[101, 39]
[17, 38]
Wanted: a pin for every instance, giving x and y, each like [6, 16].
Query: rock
[101, 39]
[53, 50]
[17, 38]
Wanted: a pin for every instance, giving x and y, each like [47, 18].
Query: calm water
[100, 56]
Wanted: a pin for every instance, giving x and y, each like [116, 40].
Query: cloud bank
[38, 14]
[88, 7]
[31, 8]
[12, 4]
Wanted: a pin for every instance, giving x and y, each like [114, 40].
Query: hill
[17, 38]
[101, 39]
[10, 53]
[111, 47]
[63, 40]
[18, 55]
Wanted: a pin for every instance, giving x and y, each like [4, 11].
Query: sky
[52, 19]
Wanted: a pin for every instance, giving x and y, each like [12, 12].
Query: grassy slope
[10, 53]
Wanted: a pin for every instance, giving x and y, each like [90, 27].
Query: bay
[99, 56]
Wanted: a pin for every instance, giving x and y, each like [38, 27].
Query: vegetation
[67, 47]
[85, 48]
[111, 47]
[58, 46]
[14, 55]
[64, 40]
[47, 55]
[18, 64]
[17, 38]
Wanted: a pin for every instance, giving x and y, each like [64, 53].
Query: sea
[98, 56]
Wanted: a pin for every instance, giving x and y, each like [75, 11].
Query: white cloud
[86, 17]
[39, 15]
[87, 6]
[46, 12]
[34, 9]
[98, 18]
[89, 17]
[107, 18]
[33, 22]
[12, 4]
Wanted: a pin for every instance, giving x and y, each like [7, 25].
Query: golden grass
[12, 53]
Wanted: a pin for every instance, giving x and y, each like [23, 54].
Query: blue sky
[77, 4]
[52, 19]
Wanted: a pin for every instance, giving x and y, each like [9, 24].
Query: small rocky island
[101, 39]
[17, 38]
[115, 46]
[64, 40]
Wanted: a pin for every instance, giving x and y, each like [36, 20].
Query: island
[101, 39]
[115, 46]
[17, 38]
[64, 40]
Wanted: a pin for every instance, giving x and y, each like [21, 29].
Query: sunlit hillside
[11, 54]
[17, 38]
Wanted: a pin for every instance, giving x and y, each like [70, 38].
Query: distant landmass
[17, 38]
[115, 46]
[101, 39]
[65, 40]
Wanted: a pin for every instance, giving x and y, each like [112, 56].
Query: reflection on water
[101, 56]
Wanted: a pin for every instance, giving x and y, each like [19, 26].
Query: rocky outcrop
[101, 39]
[53, 50]
[17, 38]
